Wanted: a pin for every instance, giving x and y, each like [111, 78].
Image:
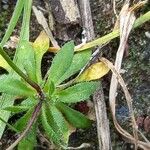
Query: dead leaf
[41, 44]
[95, 71]
[124, 133]
[12, 43]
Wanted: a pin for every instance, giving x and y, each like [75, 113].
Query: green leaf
[22, 122]
[48, 129]
[40, 45]
[13, 21]
[14, 86]
[79, 61]
[60, 124]
[51, 88]
[74, 117]
[29, 102]
[78, 92]
[29, 141]
[28, 61]
[16, 109]
[9, 125]
[61, 62]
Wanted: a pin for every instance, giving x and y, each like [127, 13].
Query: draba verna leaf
[15, 87]
[74, 117]
[29, 61]
[51, 134]
[95, 71]
[60, 124]
[79, 61]
[61, 62]
[78, 92]
[16, 109]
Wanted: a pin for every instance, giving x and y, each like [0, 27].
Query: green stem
[13, 21]
[18, 71]
[114, 34]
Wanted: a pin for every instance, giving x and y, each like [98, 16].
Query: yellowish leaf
[53, 49]
[95, 71]
[41, 44]
[4, 64]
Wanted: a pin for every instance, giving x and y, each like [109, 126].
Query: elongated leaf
[9, 125]
[13, 86]
[8, 100]
[29, 102]
[51, 88]
[61, 62]
[16, 109]
[13, 21]
[48, 129]
[78, 92]
[28, 60]
[60, 123]
[74, 117]
[40, 45]
[79, 61]
[95, 71]
[29, 141]
[5, 101]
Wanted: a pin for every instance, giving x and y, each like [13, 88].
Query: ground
[136, 65]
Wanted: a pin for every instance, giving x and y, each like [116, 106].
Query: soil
[136, 63]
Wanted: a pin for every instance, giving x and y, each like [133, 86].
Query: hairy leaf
[74, 117]
[51, 88]
[78, 92]
[14, 86]
[79, 61]
[29, 102]
[95, 71]
[61, 62]
[60, 123]
[16, 109]
[48, 129]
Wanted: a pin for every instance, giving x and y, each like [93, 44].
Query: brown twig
[98, 98]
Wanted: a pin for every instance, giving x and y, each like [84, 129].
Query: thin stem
[19, 72]
[100, 41]
[35, 114]
[13, 21]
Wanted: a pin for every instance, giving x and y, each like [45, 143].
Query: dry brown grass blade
[42, 21]
[124, 133]
[126, 21]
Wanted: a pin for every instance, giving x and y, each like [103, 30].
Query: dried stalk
[98, 98]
